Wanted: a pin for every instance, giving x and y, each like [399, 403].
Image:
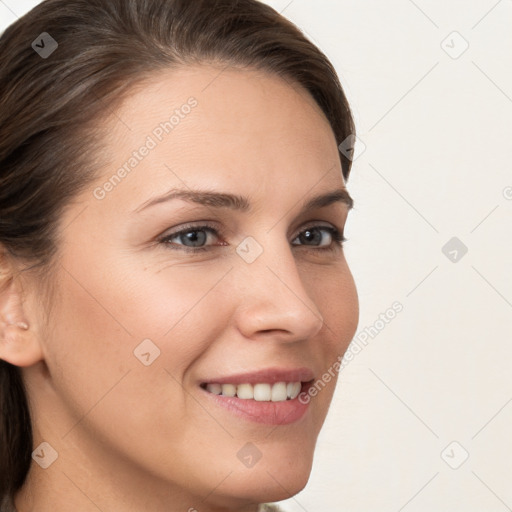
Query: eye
[314, 235]
[194, 238]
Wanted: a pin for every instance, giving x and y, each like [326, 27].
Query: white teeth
[279, 392]
[261, 392]
[228, 389]
[293, 389]
[216, 389]
[245, 391]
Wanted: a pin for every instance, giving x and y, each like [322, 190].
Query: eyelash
[338, 238]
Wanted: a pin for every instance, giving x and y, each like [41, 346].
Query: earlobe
[14, 348]
[19, 345]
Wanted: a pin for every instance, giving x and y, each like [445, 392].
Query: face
[165, 300]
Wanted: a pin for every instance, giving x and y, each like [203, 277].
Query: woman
[173, 285]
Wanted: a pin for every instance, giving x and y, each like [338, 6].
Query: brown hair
[51, 106]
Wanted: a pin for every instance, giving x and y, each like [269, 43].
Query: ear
[19, 344]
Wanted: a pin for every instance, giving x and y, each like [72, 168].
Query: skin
[132, 437]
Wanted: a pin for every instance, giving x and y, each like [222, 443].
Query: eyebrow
[242, 203]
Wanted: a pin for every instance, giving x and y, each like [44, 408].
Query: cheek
[159, 299]
[335, 294]
[100, 321]
[104, 317]
[89, 343]
[346, 314]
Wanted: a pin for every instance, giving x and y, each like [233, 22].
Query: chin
[273, 478]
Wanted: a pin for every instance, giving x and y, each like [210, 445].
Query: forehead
[233, 101]
[222, 126]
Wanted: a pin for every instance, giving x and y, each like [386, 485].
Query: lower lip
[271, 413]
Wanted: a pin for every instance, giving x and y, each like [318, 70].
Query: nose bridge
[273, 293]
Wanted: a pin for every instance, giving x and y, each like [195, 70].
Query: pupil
[309, 235]
[191, 236]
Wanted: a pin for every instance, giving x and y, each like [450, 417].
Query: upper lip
[267, 375]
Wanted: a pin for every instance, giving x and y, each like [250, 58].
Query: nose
[272, 298]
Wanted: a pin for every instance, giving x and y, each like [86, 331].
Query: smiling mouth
[260, 392]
